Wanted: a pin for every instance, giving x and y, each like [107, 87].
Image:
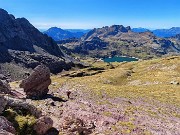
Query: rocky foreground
[104, 99]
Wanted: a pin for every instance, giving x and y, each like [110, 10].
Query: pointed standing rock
[36, 85]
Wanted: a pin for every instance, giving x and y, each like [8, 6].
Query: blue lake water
[120, 59]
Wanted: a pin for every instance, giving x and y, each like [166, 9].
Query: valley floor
[140, 97]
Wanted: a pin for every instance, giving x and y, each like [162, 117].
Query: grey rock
[43, 124]
[4, 87]
[3, 103]
[21, 104]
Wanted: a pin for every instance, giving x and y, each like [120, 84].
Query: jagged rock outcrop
[36, 85]
[106, 31]
[6, 126]
[42, 125]
[23, 45]
[19, 34]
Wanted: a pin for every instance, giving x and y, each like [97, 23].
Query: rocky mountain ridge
[22, 45]
[119, 40]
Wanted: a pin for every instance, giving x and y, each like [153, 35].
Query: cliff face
[19, 34]
[22, 44]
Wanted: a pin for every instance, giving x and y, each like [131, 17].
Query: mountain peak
[60, 34]
[107, 31]
[3, 11]
[120, 28]
[54, 28]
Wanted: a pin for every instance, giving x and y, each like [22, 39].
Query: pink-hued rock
[36, 85]
[43, 124]
[3, 103]
[4, 132]
[6, 125]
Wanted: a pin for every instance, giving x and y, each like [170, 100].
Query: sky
[88, 14]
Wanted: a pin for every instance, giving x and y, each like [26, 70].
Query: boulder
[43, 124]
[19, 104]
[36, 85]
[74, 125]
[3, 103]
[5, 125]
[4, 87]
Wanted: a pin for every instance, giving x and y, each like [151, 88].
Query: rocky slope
[132, 98]
[23, 46]
[19, 117]
[120, 40]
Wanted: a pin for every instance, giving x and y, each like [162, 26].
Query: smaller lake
[120, 59]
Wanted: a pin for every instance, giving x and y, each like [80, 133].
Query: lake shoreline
[120, 59]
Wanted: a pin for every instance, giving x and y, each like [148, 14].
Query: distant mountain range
[140, 29]
[117, 40]
[60, 34]
[161, 32]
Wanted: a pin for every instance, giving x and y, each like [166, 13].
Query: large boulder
[36, 85]
[3, 103]
[43, 124]
[5, 125]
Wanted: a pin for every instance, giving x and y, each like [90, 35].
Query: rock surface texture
[6, 126]
[3, 103]
[36, 85]
[42, 125]
[4, 87]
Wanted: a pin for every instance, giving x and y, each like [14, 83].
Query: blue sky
[87, 14]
